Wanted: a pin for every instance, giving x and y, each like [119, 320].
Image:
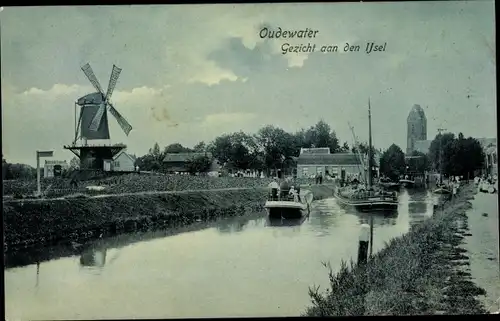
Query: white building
[48, 167]
[122, 162]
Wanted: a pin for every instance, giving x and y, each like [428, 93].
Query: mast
[370, 165]
[440, 154]
[76, 127]
[358, 153]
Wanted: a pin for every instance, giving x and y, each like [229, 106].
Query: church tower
[417, 127]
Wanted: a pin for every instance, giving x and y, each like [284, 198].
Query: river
[242, 266]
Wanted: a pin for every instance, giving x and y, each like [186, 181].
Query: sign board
[44, 153]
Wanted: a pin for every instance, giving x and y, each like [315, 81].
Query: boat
[364, 200]
[289, 206]
[407, 182]
[387, 184]
[370, 198]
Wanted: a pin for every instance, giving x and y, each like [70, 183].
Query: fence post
[364, 237]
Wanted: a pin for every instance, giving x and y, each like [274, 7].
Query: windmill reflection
[93, 257]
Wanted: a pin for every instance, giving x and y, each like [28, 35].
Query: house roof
[123, 152]
[183, 157]
[318, 150]
[329, 159]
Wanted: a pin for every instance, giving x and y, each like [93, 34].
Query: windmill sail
[96, 121]
[121, 121]
[115, 73]
[87, 70]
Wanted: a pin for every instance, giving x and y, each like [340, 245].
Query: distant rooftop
[320, 150]
[328, 159]
[183, 157]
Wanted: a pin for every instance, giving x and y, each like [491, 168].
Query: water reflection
[378, 220]
[37, 274]
[234, 225]
[286, 222]
[417, 207]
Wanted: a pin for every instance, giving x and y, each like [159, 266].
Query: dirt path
[482, 245]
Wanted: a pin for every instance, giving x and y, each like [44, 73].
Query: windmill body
[89, 107]
[91, 123]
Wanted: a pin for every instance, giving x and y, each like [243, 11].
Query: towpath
[482, 245]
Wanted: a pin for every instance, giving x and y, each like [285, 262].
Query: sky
[194, 72]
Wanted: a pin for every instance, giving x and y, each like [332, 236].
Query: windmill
[92, 123]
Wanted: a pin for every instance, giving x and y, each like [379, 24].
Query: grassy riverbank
[50, 221]
[421, 272]
[131, 183]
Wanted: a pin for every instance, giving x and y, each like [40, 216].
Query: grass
[130, 183]
[419, 273]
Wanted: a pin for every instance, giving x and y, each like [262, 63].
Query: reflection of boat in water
[288, 203]
[407, 182]
[286, 222]
[369, 199]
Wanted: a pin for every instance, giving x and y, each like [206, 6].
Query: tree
[155, 151]
[199, 164]
[147, 163]
[201, 147]
[419, 164]
[456, 156]
[392, 162]
[176, 148]
[276, 144]
[4, 167]
[321, 135]
[475, 156]
[221, 148]
[441, 151]
[18, 171]
[344, 148]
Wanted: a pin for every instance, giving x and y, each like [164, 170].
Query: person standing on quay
[274, 187]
